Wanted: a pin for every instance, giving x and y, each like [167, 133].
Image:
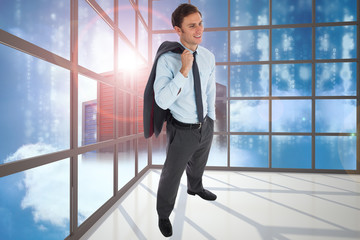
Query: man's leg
[181, 145]
[196, 166]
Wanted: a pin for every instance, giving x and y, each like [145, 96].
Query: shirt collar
[197, 49]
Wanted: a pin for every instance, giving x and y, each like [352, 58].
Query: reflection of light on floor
[254, 205]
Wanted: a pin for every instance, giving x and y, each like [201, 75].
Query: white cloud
[248, 151]
[264, 76]
[329, 73]
[305, 73]
[348, 17]
[287, 42]
[249, 115]
[347, 45]
[237, 49]
[336, 115]
[240, 156]
[263, 19]
[288, 115]
[290, 78]
[243, 43]
[324, 42]
[263, 46]
[42, 228]
[47, 187]
[285, 74]
[30, 150]
[47, 193]
[345, 74]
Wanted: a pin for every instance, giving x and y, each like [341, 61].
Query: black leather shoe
[204, 194]
[165, 227]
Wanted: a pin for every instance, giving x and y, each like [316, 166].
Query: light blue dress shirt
[169, 81]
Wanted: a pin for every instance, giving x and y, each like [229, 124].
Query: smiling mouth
[198, 36]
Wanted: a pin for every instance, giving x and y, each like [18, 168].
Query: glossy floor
[250, 205]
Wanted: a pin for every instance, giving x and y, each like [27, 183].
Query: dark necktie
[197, 86]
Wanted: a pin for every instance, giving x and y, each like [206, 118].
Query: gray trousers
[185, 149]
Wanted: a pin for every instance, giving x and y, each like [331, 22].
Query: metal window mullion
[358, 90]
[24, 46]
[313, 85]
[116, 99]
[74, 116]
[228, 88]
[101, 12]
[270, 84]
[150, 34]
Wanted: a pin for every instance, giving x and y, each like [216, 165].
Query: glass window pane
[211, 8]
[127, 19]
[218, 151]
[335, 10]
[290, 11]
[291, 115]
[126, 113]
[105, 115]
[95, 181]
[249, 80]
[95, 111]
[139, 115]
[249, 45]
[143, 7]
[107, 6]
[249, 12]
[249, 151]
[141, 78]
[128, 58]
[335, 152]
[221, 77]
[142, 153]
[291, 151]
[143, 40]
[162, 10]
[337, 42]
[291, 79]
[46, 24]
[336, 79]
[32, 115]
[217, 43]
[291, 44]
[249, 116]
[221, 101]
[160, 38]
[96, 41]
[335, 115]
[159, 148]
[221, 113]
[126, 162]
[36, 203]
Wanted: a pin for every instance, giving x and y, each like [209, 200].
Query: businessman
[185, 86]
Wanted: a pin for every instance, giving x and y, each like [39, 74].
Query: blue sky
[36, 96]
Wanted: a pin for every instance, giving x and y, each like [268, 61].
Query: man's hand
[187, 61]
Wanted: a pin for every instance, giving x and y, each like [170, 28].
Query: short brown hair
[182, 11]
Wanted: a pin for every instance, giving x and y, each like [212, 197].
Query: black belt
[187, 126]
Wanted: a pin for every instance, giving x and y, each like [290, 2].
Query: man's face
[191, 31]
